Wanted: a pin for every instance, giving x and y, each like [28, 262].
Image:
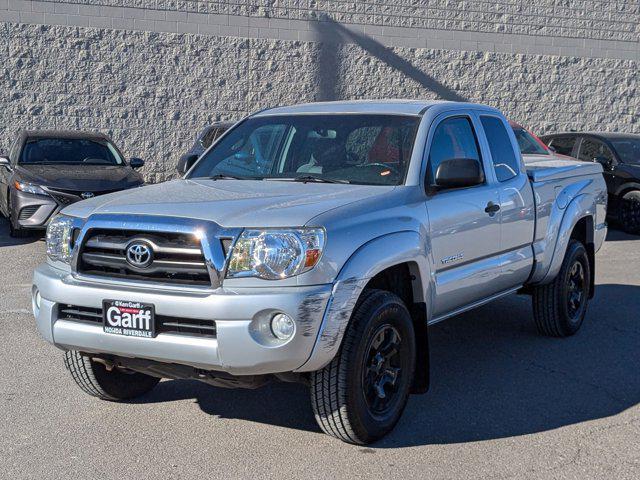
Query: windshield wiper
[312, 178]
[222, 176]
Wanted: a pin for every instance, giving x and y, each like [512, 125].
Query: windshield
[46, 151]
[628, 149]
[529, 145]
[353, 148]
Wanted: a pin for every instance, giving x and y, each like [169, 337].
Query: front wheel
[114, 385]
[360, 396]
[559, 308]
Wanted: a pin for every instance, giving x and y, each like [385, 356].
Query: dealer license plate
[133, 319]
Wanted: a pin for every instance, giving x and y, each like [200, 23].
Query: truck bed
[541, 168]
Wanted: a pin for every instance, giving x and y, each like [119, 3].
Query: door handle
[492, 208]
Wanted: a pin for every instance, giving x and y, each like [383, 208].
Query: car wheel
[114, 385]
[559, 307]
[630, 212]
[361, 394]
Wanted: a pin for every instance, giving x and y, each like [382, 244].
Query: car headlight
[59, 236]
[275, 254]
[29, 188]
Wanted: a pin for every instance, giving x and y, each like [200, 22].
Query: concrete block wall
[152, 72]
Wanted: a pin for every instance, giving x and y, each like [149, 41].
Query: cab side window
[505, 161]
[563, 145]
[453, 138]
[590, 149]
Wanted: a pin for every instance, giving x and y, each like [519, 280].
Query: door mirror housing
[185, 163]
[606, 163]
[4, 161]
[458, 173]
[136, 163]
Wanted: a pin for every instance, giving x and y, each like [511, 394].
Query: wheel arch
[578, 222]
[625, 188]
[388, 260]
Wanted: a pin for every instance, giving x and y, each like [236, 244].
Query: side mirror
[136, 162]
[243, 157]
[185, 163]
[459, 173]
[4, 161]
[552, 149]
[606, 163]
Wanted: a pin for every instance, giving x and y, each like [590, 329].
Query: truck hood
[85, 178]
[230, 203]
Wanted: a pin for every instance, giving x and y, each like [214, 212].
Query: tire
[629, 215]
[345, 401]
[115, 385]
[559, 308]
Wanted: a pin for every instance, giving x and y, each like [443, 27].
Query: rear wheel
[559, 307]
[360, 396]
[114, 385]
[630, 212]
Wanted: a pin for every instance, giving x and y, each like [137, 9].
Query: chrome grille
[164, 323]
[177, 257]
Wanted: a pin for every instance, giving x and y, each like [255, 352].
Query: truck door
[464, 223]
[516, 202]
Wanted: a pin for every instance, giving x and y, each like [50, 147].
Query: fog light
[282, 326]
[36, 300]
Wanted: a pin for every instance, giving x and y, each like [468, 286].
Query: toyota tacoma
[316, 243]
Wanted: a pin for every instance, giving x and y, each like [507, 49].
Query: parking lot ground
[504, 402]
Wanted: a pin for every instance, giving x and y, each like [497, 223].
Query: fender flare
[584, 205]
[387, 250]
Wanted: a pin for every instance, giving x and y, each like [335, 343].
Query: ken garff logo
[86, 195]
[139, 255]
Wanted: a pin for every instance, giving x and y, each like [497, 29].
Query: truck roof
[391, 106]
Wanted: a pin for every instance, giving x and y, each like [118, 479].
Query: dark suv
[48, 170]
[619, 154]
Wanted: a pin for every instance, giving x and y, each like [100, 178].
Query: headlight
[274, 254]
[59, 234]
[29, 188]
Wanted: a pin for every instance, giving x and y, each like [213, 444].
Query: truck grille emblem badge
[139, 255]
[86, 195]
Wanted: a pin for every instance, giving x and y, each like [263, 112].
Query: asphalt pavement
[504, 402]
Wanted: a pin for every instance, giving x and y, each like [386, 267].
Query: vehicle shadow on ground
[615, 234]
[493, 377]
[7, 241]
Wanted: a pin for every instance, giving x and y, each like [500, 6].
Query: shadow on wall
[493, 377]
[331, 34]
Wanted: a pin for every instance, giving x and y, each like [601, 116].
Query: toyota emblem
[139, 255]
[86, 195]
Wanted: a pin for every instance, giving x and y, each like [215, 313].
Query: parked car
[47, 170]
[370, 221]
[529, 143]
[205, 139]
[619, 154]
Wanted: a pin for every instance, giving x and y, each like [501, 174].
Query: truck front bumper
[243, 344]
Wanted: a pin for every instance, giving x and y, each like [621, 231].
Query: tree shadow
[331, 34]
[493, 377]
[7, 241]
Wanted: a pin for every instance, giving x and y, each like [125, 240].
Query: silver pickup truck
[316, 243]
